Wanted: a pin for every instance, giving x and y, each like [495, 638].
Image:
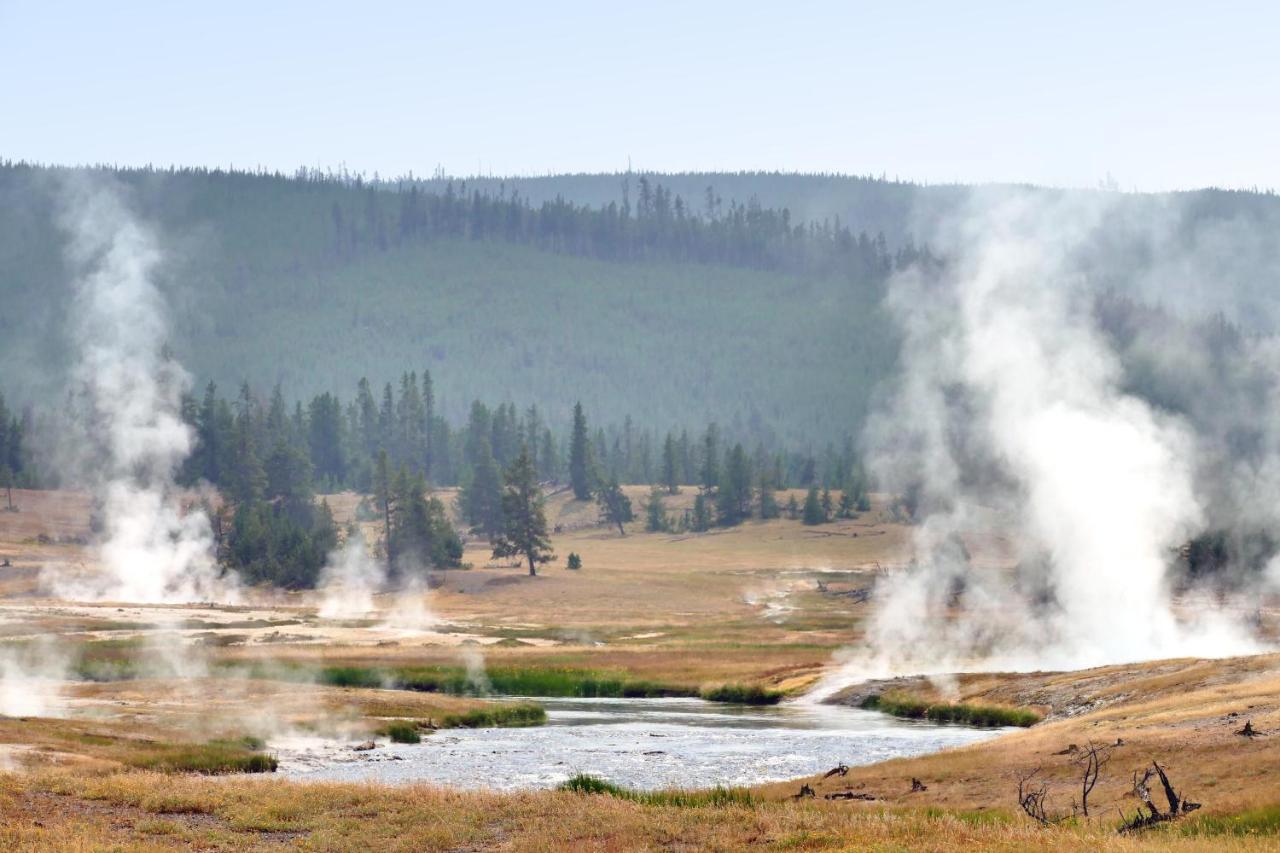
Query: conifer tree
[655, 512]
[733, 496]
[382, 492]
[524, 530]
[615, 506]
[481, 495]
[670, 466]
[813, 513]
[701, 519]
[580, 462]
[710, 472]
[768, 497]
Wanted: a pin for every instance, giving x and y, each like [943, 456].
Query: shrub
[401, 731]
[575, 561]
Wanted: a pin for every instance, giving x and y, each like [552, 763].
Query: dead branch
[839, 770]
[805, 791]
[1248, 730]
[1178, 804]
[1033, 799]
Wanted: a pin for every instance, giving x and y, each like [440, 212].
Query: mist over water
[1010, 418]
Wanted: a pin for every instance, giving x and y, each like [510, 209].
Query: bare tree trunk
[533, 570]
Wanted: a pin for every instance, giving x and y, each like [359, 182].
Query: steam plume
[1010, 418]
[129, 400]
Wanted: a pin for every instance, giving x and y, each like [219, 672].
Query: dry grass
[738, 606]
[1183, 713]
[148, 811]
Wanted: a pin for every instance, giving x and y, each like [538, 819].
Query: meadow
[140, 755]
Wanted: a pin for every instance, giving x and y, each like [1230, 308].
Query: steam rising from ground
[352, 577]
[349, 581]
[1010, 416]
[127, 396]
[31, 678]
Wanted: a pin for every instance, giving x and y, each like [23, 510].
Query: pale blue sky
[1160, 95]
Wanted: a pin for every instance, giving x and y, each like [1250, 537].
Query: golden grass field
[735, 606]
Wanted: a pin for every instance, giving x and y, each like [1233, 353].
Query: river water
[639, 743]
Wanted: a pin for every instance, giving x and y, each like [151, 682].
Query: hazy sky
[1160, 95]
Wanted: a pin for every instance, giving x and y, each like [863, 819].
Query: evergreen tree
[655, 512]
[793, 508]
[247, 480]
[710, 471]
[481, 494]
[670, 466]
[423, 536]
[383, 495]
[701, 519]
[827, 505]
[549, 458]
[615, 506]
[429, 415]
[733, 496]
[580, 461]
[524, 517]
[325, 438]
[768, 497]
[813, 513]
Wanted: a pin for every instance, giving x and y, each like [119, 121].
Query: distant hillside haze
[749, 299]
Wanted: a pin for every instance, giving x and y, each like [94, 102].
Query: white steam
[349, 581]
[352, 578]
[31, 678]
[129, 393]
[1010, 418]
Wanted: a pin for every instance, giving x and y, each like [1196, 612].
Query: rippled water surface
[641, 743]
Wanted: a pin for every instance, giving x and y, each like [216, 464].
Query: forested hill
[748, 299]
[642, 307]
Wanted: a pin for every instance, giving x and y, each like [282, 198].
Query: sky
[1150, 96]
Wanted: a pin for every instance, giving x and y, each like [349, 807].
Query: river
[639, 743]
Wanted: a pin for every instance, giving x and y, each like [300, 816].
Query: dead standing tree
[1091, 760]
[1033, 793]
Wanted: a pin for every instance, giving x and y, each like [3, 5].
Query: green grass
[212, 758]
[742, 694]
[583, 783]
[499, 716]
[401, 731]
[560, 682]
[351, 676]
[542, 681]
[1264, 820]
[991, 817]
[946, 712]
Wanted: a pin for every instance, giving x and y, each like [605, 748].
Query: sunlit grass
[910, 708]
[212, 758]
[583, 783]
